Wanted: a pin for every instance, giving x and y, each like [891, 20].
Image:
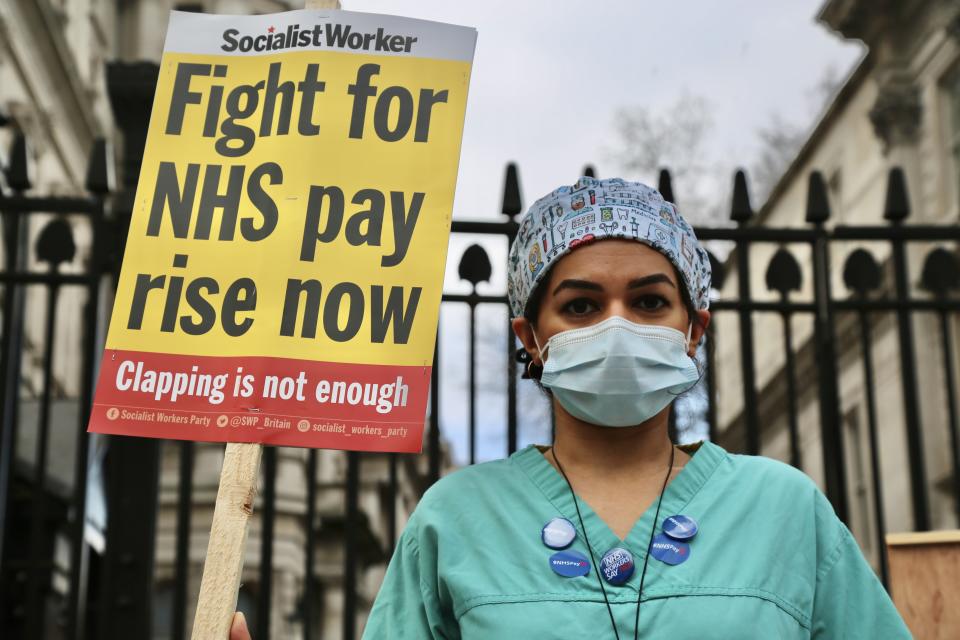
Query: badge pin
[617, 565]
[559, 533]
[666, 549]
[680, 527]
[570, 564]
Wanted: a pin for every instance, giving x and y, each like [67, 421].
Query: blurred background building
[899, 108]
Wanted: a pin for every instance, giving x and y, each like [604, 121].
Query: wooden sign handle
[228, 538]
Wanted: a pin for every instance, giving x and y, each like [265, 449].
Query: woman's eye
[579, 306]
[651, 302]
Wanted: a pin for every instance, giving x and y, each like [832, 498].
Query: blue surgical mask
[617, 373]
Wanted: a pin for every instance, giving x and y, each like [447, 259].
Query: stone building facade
[899, 108]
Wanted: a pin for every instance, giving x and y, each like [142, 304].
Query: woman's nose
[617, 308]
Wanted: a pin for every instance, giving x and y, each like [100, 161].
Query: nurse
[614, 532]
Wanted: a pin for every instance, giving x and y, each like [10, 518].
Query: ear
[698, 330]
[524, 330]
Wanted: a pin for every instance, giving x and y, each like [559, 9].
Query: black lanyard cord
[646, 557]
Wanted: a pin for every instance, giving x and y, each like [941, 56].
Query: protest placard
[283, 270]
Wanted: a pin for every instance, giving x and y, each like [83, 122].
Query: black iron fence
[42, 511]
[58, 580]
[876, 290]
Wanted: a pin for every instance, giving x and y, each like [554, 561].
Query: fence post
[741, 213]
[99, 182]
[14, 236]
[132, 464]
[511, 206]
[896, 210]
[831, 436]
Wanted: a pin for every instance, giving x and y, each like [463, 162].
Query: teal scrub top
[771, 560]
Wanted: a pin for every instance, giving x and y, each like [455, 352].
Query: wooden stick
[228, 538]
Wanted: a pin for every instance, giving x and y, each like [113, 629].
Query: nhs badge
[617, 565]
[570, 564]
[667, 550]
[680, 527]
[559, 533]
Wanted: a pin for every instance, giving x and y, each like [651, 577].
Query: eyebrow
[651, 279]
[636, 283]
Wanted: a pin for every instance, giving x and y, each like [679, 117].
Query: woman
[609, 286]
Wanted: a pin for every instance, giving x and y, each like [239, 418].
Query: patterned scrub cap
[595, 209]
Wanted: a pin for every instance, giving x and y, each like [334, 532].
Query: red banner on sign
[279, 401]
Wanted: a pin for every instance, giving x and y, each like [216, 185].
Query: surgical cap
[593, 210]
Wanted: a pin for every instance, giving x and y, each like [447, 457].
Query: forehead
[611, 260]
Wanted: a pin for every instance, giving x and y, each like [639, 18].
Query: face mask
[617, 373]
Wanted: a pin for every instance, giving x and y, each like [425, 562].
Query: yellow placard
[374, 236]
[294, 205]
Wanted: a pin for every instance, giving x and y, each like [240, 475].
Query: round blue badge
[559, 533]
[570, 564]
[668, 550]
[680, 527]
[617, 565]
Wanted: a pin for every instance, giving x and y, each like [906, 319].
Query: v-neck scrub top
[771, 560]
